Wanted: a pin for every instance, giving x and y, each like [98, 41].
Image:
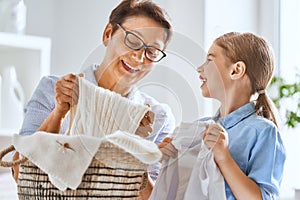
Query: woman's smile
[129, 68]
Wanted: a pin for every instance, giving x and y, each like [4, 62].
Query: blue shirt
[42, 103]
[256, 146]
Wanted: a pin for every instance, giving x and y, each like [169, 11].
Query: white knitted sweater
[101, 112]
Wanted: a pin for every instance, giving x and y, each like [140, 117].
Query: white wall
[74, 26]
[268, 20]
[227, 16]
[289, 67]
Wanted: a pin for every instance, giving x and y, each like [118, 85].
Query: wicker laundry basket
[115, 174]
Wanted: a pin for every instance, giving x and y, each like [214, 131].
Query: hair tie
[261, 92]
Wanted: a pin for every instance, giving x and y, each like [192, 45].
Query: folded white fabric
[47, 151]
[144, 150]
[182, 177]
[100, 111]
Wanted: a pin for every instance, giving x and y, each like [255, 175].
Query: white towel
[64, 166]
[100, 111]
[66, 158]
[182, 177]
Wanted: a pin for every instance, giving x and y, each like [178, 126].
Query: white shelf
[30, 55]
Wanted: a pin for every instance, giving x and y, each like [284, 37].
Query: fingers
[167, 148]
[167, 140]
[169, 151]
[67, 91]
[148, 118]
[144, 131]
[145, 128]
[212, 135]
[81, 74]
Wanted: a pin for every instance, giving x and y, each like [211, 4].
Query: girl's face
[215, 74]
[125, 65]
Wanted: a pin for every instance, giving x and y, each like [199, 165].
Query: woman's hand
[145, 128]
[217, 138]
[67, 92]
[66, 96]
[167, 148]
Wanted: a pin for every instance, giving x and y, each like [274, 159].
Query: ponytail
[265, 107]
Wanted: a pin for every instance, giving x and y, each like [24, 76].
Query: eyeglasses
[134, 42]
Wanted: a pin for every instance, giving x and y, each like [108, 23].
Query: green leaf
[286, 91]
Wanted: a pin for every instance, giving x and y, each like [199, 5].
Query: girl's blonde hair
[257, 55]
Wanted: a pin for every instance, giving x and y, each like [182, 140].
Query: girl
[245, 141]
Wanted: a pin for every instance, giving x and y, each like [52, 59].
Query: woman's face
[215, 74]
[125, 65]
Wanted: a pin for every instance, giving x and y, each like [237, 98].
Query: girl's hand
[167, 148]
[67, 92]
[217, 138]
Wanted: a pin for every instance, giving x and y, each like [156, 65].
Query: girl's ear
[238, 70]
[107, 33]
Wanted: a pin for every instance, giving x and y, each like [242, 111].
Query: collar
[89, 74]
[236, 116]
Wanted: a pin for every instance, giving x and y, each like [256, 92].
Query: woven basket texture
[115, 174]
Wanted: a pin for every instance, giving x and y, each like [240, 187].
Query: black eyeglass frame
[144, 46]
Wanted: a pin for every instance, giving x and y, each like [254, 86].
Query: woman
[135, 39]
[245, 140]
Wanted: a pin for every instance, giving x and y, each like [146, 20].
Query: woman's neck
[106, 79]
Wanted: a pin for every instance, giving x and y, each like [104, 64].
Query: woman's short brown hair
[147, 8]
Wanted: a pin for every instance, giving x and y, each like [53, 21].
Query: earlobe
[238, 70]
[107, 33]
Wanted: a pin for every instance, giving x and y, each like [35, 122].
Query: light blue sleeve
[39, 106]
[164, 124]
[266, 162]
[164, 121]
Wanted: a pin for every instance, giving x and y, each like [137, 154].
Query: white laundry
[100, 111]
[47, 151]
[100, 116]
[193, 174]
